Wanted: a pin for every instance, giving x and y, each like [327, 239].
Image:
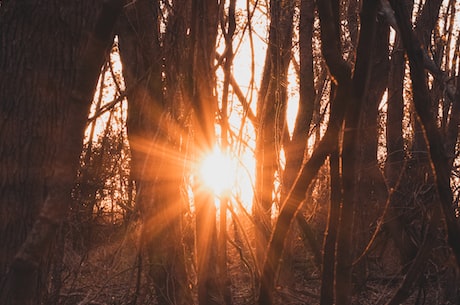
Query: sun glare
[217, 172]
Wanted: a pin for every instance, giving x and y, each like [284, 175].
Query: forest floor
[111, 271]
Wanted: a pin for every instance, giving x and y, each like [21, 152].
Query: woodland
[229, 152]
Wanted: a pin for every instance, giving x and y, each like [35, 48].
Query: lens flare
[217, 172]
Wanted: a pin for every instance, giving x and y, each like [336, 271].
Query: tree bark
[371, 185]
[295, 148]
[271, 112]
[48, 87]
[157, 162]
[350, 150]
[330, 235]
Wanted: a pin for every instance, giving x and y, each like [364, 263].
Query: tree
[41, 92]
[271, 109]
[156, 174]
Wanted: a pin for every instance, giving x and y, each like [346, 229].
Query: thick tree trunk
[271, 111]
[350, 151]
[156, 164]
[371, 186]
[46, 88]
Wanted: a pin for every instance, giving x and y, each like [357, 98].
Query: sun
[217, 172]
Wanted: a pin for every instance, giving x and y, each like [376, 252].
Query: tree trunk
[330, 234]
[229, 33]
[156, 164]
[200, 82]
[350, 151]
[46, 88]
[371, 186]
[395, 164]
[295, 149]
[271, 111]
